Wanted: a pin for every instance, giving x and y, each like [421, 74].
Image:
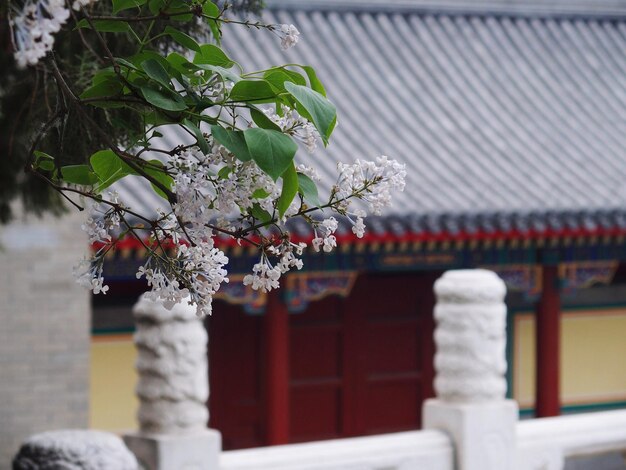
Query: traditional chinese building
[511, 119]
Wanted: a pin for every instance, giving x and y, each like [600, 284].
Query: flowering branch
[238, 177]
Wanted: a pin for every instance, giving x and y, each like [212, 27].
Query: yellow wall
[593, 346]
[112, 396]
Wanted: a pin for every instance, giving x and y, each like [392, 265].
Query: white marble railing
[545, 443]
[398, 451]
[542, 444]
[469, 426]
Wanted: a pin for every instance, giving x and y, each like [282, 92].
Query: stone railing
[469, 426]
[400, 451]
[547, 442]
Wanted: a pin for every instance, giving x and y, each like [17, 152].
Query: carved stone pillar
[470, 367]
[173, 389]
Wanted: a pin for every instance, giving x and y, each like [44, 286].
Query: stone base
[195, 451]
[483, 433]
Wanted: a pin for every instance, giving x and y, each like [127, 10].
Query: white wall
[44, 330]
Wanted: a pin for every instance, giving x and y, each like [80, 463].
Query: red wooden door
[363, 365]
[236, 376]
[317, 375]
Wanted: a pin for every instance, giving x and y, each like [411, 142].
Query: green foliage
[201, 141]
[108, 168]
[253, 91]
[233, 141]
[127, 86]
[271, 150]
[119, 5]
[79, 174]
[213, 55]
[308, 189]
[315, 107]
[289, 189]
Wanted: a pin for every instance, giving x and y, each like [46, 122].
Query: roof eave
[610, 9]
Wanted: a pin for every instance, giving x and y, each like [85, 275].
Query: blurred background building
[511, 119]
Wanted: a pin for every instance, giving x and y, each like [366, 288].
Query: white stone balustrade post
[173, 389]
[470, 367]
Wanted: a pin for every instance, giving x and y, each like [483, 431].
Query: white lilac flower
[88, 274]
[289, 36]
[201, 269]
[327, 241]
[309, 137]
[309, 171]
[359, 227]
[372, 182]
[78, 4]
[96, 230]
[34, 28]
[264, 276]
[290, 122]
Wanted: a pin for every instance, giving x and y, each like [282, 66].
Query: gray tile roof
[502, 121]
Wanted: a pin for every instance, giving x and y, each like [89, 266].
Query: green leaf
[224, 172]
[261, 120]
[233, 141]
[272, 151]
[202, 143]
[260, 194]
[315, 107]
[289, 190]
[221, 71]
[308, 189]
[119, 5]
[79, 174]
[156, 72]
[259, 213]
[105, 26]
[43, 161]
[213, 55]
[155, 6]
[138, 59]
[253, 90]
[211, 9]
[106, 88]
[313, 80]
[160, 176]
[46, 165]
[180, 64]
[183, 39]
[176, 7]
[158, 118]
[126, 63]
[170, 102]
[279, 75]
[108, 167]
[42, 155]
[104, 75]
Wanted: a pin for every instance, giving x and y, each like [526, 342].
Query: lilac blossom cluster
[34, 28]
[218, 187]
[213, 192]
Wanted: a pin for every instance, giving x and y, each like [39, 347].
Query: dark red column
[548, 338]
[277, 369]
